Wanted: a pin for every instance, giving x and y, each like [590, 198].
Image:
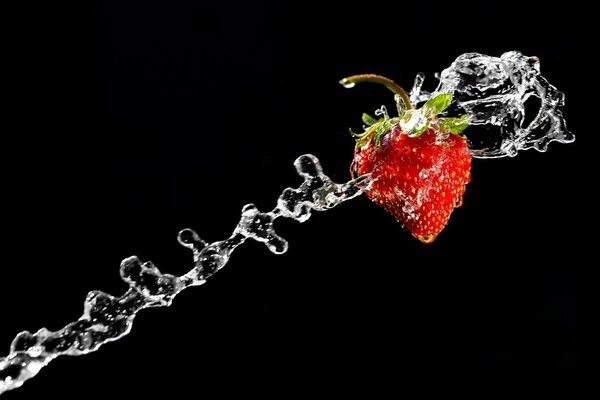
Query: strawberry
[419, 163]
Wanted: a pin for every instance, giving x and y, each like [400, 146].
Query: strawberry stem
[350, 81]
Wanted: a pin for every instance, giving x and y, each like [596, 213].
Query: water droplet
[347, 84]
[190, 239]
[382, 112]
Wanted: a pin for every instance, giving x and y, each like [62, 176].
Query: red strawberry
[419, 163]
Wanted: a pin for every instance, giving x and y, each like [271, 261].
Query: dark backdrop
[125, 122]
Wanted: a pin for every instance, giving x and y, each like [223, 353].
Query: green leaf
[454, 125]
[356, 135]
[363, 141]
[418, 132]
[438, 103]
[379, 131]
[368, 120]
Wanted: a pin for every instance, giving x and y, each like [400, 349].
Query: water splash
[494, 91]
[107, 318]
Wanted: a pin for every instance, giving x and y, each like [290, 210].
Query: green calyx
[431, 110]
[375, 129]
[412, 121]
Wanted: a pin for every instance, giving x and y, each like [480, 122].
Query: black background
[125, 122]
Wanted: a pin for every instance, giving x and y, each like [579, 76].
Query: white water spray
[491, 90]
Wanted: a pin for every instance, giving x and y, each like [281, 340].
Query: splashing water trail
[491, 90]
[106, 318]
